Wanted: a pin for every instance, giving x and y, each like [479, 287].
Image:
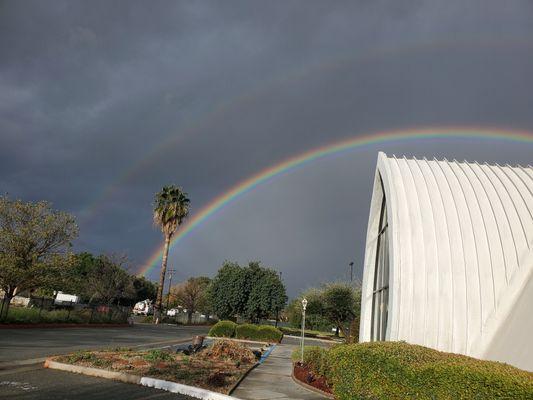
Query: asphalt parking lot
[22, 352]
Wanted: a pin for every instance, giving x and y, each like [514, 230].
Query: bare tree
[192, 295]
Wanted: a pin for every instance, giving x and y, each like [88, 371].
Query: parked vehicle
[144, 307]
[65, 298]
[173, 312]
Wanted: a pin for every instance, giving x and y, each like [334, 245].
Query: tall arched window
[380, 295]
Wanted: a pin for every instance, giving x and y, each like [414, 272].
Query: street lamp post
[304, 306]
[351, 271]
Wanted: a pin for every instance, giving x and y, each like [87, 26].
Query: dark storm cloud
[220, 90]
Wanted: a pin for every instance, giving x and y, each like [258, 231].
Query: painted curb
[172, 387]
[192, 391]
[310, 388]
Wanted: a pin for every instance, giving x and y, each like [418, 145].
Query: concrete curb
[309, 387]
[100, 373]
[172, 387]
[236, 384]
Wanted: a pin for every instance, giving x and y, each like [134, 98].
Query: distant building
[449, 258]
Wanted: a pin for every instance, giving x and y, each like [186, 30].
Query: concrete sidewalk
[272, 379]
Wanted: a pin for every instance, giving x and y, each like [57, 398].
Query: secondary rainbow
[338, 147]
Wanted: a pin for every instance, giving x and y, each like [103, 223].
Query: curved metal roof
[461, 239]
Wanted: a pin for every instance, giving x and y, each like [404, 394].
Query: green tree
[144, 289]
[342, 304]
[228, 293]
[108, 281]
[170, 210]
[35, 245]
[314, 313]
[251, 292]
[267, 293]
[192, 295]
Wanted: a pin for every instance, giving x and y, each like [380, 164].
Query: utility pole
[170, 272]
[351, 271]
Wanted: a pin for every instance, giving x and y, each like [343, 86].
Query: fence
[24, 310]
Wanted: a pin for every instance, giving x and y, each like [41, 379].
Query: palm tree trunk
[159, 300]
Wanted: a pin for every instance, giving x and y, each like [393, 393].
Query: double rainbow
[335, 148]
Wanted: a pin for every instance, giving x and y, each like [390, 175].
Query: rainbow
[334, 148]
[209, 118]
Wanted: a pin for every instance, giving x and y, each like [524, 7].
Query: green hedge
[270, 333]
[247, 331]
[230, 329]
[223, 329]
[258, 332]
[397, 370]
[22, 315]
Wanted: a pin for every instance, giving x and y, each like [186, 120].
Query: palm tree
[170, 209]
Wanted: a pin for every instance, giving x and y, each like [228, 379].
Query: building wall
[460, 245]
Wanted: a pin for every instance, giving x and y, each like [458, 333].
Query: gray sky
[103, 102]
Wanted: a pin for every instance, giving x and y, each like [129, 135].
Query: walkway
[272, 379]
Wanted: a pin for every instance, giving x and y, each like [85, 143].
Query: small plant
[158, 355]
[81, 356]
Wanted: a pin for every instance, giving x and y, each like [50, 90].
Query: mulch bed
[216, 368]
[303, 374]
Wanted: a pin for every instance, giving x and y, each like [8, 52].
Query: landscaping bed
[216, 368]
[304, 374]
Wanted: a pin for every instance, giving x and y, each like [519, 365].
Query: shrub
[315, 358]
[22, 315]
[397, 370]
[270, 333]
[265, 333]
[247, 331]
[223, 329]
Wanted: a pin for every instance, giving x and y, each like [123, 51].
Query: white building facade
[449, 259]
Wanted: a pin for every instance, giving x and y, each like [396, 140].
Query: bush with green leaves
[315, 358]
[247, 331]
[270, 333]
[223, 329]
[23, 315]
[397, 370]
[266, 333]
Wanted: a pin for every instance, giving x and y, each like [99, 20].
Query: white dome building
[449, 259]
